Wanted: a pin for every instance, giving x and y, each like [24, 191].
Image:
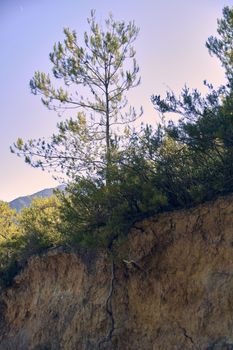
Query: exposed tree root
[108, 337]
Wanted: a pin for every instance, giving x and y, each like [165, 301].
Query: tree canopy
[95, 76]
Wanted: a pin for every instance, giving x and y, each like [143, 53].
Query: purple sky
[170, 51]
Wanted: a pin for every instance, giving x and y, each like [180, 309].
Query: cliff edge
[172, 289]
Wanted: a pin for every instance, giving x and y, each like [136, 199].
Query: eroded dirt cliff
[173, 289]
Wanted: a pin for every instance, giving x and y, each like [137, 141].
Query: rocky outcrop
[172, 289]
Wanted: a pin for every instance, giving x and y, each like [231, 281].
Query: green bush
[96, 215]
[31, 231]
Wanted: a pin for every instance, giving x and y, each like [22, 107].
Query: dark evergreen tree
[205, 127]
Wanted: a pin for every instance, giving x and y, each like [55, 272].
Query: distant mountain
[25, 201]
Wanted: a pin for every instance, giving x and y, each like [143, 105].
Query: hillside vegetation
[172, 290]
[116, 180]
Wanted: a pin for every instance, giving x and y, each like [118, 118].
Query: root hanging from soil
[108, 304]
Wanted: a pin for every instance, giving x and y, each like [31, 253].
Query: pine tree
[95, 78]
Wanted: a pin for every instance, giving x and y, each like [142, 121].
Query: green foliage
[31, 231]
[175, 165]
[94, 81]
[39, 225]
[222, 46]
[204, 131]
[9, 244]
[96, 215]
[8, 232]
[7, 221]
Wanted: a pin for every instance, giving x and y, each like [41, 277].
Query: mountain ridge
[25, 201]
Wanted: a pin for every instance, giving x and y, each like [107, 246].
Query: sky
[170, 52]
